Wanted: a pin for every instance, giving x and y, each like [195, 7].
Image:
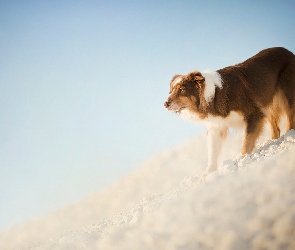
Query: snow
[249, 203]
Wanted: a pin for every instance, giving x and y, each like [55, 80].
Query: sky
[82, 86]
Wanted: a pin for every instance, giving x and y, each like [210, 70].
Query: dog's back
[264, 73]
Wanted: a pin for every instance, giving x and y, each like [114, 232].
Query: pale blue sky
[82, 86]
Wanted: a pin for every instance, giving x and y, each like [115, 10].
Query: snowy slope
[248, 203]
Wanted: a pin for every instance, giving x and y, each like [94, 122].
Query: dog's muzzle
[167, 104]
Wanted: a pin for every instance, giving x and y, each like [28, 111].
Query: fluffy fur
[241, 96]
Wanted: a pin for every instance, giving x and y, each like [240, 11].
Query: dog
[242, 96]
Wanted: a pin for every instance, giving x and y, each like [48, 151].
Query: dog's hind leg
[290, 111]
[290, 119]
[274, 120]
[287, 81]
[254, 128]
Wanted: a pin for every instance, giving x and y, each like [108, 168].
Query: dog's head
[185, 92]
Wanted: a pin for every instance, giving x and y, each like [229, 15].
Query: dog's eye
[182, 90]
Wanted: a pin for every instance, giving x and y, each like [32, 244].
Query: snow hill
[249, 203]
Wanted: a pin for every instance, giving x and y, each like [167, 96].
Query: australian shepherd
[240, 96]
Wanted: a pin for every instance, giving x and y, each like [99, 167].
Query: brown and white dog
[240, 96]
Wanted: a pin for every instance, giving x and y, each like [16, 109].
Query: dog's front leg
[215, 138]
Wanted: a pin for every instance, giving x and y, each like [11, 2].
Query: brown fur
[266, 80]
[260, 88]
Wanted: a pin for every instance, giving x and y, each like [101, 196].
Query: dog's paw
[202, 177]
[239, 156]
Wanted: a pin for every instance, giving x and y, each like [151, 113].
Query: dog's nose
[167, 104]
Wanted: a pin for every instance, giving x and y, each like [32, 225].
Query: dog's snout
[167, 104]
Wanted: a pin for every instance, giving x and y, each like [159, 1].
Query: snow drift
[249, 203]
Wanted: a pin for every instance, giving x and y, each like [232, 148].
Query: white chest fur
[191, 116]
[233, 120]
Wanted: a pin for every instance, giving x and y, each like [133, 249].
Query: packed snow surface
[249, 203]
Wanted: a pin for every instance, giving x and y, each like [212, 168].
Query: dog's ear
[199, 79]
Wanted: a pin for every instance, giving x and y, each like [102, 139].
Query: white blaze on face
[176, 81]
[212, 80]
